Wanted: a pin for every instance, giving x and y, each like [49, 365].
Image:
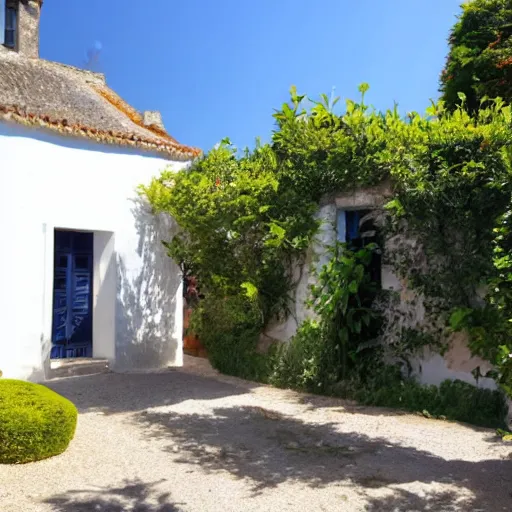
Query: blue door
[72, 295]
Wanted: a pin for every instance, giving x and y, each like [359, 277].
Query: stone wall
[406, 310]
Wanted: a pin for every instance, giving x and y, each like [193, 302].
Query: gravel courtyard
[190, 440]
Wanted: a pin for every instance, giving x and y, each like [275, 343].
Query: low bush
[35, 422]
[301, 365]
[453, 400]
[230, 331]
[297, 364]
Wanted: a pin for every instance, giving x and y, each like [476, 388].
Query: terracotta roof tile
[74, 102]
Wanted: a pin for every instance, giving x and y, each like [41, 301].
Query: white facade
[51, 182]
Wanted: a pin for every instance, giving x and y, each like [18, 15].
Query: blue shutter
[341, 226]
[353, 219]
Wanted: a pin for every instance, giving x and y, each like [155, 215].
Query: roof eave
[177, 152]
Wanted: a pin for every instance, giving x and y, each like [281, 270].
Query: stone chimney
[24, 17]
[153, 118]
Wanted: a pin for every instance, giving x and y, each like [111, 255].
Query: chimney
[28, 27]
[153, 118]
[21, 26]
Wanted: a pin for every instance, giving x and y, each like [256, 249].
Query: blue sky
[219, 68]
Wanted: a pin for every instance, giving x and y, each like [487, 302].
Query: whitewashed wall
[48, 182]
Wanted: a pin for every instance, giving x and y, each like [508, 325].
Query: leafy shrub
[35, 422]
[229, 329]
[248, 217]
[297, 364]
[454, 400]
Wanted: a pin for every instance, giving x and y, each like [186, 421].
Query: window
[356, 228]
[10, 26]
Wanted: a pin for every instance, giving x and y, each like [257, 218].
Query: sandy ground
[190, 440]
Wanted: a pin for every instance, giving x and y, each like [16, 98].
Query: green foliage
[504, 434]
[35, 422]
[299, 364]
[451, 192]
[343, 300]
[454, 400]
[247, 217]
[229, 328]
[479, 64]
[329, 350]
[241, 227]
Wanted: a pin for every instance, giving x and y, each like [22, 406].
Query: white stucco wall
[304, 275]
[48, 182]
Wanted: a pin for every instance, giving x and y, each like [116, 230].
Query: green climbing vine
[247, 218]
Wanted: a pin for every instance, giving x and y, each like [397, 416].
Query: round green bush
[35, 422]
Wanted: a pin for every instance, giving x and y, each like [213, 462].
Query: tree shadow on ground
[133, 496]
[113, 393]
[402, 500]
[312, 402]
[266, 449]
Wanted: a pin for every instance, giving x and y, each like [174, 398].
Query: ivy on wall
[246, 216]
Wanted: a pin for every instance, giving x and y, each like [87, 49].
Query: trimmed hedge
[35, 422]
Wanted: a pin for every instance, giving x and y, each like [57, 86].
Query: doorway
[72, 294]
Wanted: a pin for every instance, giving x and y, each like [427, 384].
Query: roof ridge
[82, 73]
[133, 114]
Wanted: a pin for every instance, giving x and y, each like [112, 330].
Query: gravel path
[190, 440]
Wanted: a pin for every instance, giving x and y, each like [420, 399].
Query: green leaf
[459, 317]
[395, 205]
[462, 97]
[364, 88]
[353, 287]
[278, 231]
[250, 290]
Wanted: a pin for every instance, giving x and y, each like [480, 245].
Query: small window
[10, 26]
[356, 228]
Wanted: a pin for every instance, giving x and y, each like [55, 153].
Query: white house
[83, 272]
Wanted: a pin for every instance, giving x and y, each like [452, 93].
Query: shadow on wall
[147, 332]
[134, 495]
